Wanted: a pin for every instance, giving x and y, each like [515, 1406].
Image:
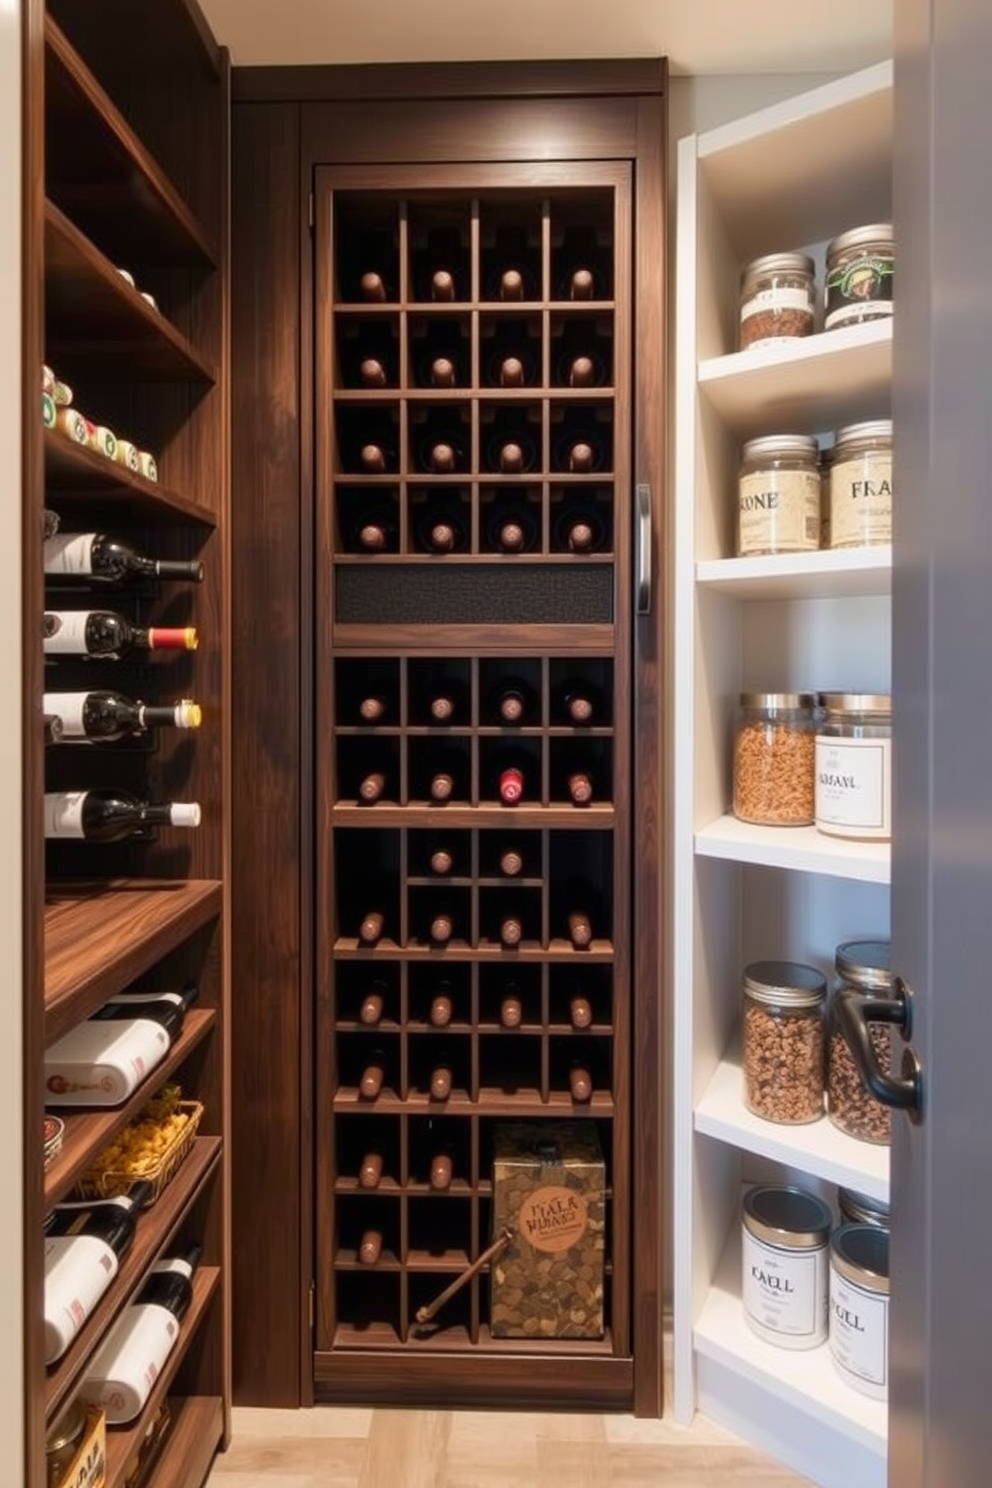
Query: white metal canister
[859, 1306]
[784, 1275]
[853, 784]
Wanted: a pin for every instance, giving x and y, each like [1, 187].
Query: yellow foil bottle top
[188, 714]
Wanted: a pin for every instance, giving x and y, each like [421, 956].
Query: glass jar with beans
[774, 753]
[865, 967]
[778, 299]
[784, 1041]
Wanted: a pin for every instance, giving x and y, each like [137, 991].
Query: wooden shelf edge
[802, 849]
[194, 1437]
[81, 472]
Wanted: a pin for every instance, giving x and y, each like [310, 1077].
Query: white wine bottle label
[68, 706]
[70, 553]
[104, 441]
[121, 1376]
[63, 813]
[78, 1270]
[128, 454]
[65, 632]
[147, 465]
[48, 411]
[100, 1063]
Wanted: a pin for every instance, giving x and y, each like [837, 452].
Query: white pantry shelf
[817, 1147]
[802, 849]
[840, 574]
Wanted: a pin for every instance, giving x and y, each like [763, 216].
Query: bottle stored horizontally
[440, 264]
[513, 776]
[442, 1006]
[108, 815]
[578, 701]
[511, 443]
[580, 444]
[441, 443]
[370, 1010]
[102, 1060]
[512, 263]
[53, 728]
[371, 788]
[582, 264]
[370, 927]
[440, 355]
[85, 1244]
[441, 524]
[373, 529]
[122, 1374]
[512, 527]
[370, 1247]
[107, 634]
[96, 556]
[580, 355]
[578, 526]
[104, 717]
[511, 356]
[370, 1170]
[373, 1075]
[513, 701]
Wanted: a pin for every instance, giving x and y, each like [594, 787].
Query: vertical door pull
[642, 545]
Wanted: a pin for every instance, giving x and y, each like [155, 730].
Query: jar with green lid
[784, 1280]
[784, 1041]
[778, 496]
[63, 1442]
[865, 967]
[861, 485]
[774, 748]
[859, 1307]
[777, 299]
[859, 1208]
[853, 772]
[859, 276]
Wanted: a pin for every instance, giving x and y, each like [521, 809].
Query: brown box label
[553, 1219]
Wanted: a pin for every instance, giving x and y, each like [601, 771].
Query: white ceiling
[697, 36]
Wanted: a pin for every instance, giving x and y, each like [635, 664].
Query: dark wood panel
[450, 80]
[515, 1380]
[266, 786]
[79, 477]
[175, 36]
[195, 1432]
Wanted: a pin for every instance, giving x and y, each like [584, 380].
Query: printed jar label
[859, 1322]
[69, 707]
[860, 289]
[69, 553]
[553, 1219]
[861, 501]
[785, 1291]
[778, 511]
[854, 787]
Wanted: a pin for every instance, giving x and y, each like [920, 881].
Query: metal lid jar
[861, 485]
[853, 772]
[859, 1208]
[774, 750]
[63, 1442]
[778, 299]
[859, 276]
[864, 966]
[784, 1041]
[859, 1307]
[778, 495]
[784, 1281]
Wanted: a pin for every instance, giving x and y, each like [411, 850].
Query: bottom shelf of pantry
[790, 1403]
[193, 1439]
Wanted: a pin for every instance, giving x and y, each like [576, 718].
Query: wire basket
[107, 1183]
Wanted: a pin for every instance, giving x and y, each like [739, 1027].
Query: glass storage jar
[778, 299]
[853, 784]
[859, 1307]
[784, 1281]
[778, 496]
[774, 749]
[863, 966]
[784, 1041]
[859, 276]
[861, 485]
[858, 1208]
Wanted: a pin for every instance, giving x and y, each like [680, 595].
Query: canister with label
[861, 486]
[853, 780]
[784, 1276]
[859, 1307]
[778, 496]
[859, 276]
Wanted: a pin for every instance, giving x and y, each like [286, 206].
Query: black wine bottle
[580, 356]
[580, 1083]
[108, 815]
[440, 443]
[512, 257]
[104, 717]
[440, 1071]
[441, 861]
[370, 1011]
[511, 357]
[373, 529]
[514, 775]
[442, 921]
[579, 1011]
[371, 788]
[85, 1244]
[511, 862]
[440, 264]
[371, 927]
[369, 268]
[445, 701]
[448, 775]
[441, 1151]
[107, 634]
[369, 356]
[441, 524]
[511, 443]
[582, 263]
[439, 356]
[512, 701]
[95, 556]
[511, 526]
[370, 1170]
[442, 1005]
[578, 526]
[167, 1009]
[369, 444]
[580, 445]
[370, 1247]
[576, 700]
[511, 1007]
[374, 708]
[373, 1075]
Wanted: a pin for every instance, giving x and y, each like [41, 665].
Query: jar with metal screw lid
[864, 966]
[859, 276]
[777, 299]
[778, 496]
[859, 1208]
[784, 1281]
[859, 1307]
[774, 749]
[63, 1442]
[853, 770]
[861, 486]
[784, 1041]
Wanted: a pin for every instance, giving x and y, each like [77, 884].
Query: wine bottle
[49, 523]
[580, 446]
[442, 923]
[167, 1009]
[582, 264]
[580, 787]
[448, 778]
[441, 862]
[442, 1006]
[511, 443]
[512, 773]
[105, 717]
[53, 728]
[580, 929]
[373, 708]
[107, 634]
[440, 356]
[440, 265]
[580, 1083]
[109, 815]
[373, 529]
[372, 1005]
[371, 788]
[97, 556]
[442, 1076]
[513, 264]
[511, 1009]
[512, 701]
[370, 1170]
[368, 355]
[373, 1075]
[442, 1171]
[511, 862]
[372, 287]
[580, 355]
[447, 701]
[441, 525]
[578, 701]
[370, 1247]
[511, 356]
[85, 1244]
[580, 1011]
[511, 930]
[121, 1376]
[511, 527]
[370, 929]
[578, 527]
[94, 1064]
[442, 1151]
[440, 443]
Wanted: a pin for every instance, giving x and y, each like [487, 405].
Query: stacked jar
[784, 1281]
[784, 1041]
[778, 290]
[853, 766]
[859, 1307]
[774, 757]
[864, 968]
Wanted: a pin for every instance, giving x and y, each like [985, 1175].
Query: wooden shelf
[155, 1229]
[802, 849]
[93, 317]
[88, 1132]
[521, 559]
[194, 1436]
[76, 475]
[100, 170]
[101, 935]
[380, 1335]
[123, 1441]
[491, 1102]
[486, 814]
[348, 948]
[829, 574]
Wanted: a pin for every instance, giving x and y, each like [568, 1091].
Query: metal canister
[859, 1307]
[784, 1275]
[859, 1208]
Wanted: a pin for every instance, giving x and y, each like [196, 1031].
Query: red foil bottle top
[511, 786]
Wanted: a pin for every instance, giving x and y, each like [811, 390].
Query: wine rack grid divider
[371, 1307]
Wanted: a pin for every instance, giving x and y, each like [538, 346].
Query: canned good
[859, 1307]
[861, 486]
[778, 495]
[777, 299]
[784, 1283]
[784, 1041]
[858, 1208]
[853, 774]
[859, 277]
[866, 967]
[774, 750]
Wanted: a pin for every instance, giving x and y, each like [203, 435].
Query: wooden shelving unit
[122, 179]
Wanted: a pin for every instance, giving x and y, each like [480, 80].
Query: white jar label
[68, 636]
[859, 1323]
[69, 553]
[785, 1291]
[64, 813]
[777, 298]
[778, 511]
[69, 707]
[861, 501]
[853, 789]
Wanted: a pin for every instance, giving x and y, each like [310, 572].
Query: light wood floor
[342, 1448]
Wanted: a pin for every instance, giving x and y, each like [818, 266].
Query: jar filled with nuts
[865, 967]
[778, 496]
[774, 752]
[784, 1041]
[777, 299]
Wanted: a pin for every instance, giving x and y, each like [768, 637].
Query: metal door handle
[642, 586]
[854, 1012]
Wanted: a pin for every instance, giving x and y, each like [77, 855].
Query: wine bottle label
[147, 465]
[74, 425]
[78, 1270]
[121, 1376]
[127, 454]
[48, 411]
[70, 553]
[65, 632]
[69, 706]
[99, 1063]
[172, 1266]
[63, 813]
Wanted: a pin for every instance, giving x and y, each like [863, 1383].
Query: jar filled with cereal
[774, 752]
[865, 968]
[777, 299]
[784, 1041]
